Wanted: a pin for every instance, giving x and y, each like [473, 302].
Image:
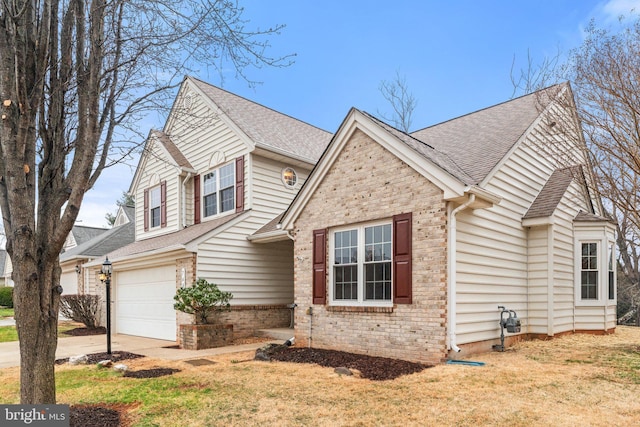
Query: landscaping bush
[202, 299]
[6, 296]
[81, 308]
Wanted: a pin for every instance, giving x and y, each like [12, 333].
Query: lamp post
[105, 277]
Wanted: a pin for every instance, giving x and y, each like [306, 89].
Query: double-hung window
[154, 206]
[219, 193]
[362, 265]
[589, 271]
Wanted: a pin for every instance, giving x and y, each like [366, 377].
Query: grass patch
[6, 312]
[588, 380]
[9, 333]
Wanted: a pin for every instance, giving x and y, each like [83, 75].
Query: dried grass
[568, 381]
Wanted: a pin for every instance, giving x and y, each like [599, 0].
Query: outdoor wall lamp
[105, 277]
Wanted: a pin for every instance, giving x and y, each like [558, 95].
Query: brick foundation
[198, 337]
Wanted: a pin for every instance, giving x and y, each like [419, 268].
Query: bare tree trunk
[72, 73]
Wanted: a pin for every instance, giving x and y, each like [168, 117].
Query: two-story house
[222, 168]
[420, 246]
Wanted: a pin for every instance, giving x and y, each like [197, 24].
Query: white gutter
[184, 199]
[452, 270]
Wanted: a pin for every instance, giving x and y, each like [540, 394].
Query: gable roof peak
[265, 127]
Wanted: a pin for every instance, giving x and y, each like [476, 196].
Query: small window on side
[289, 177]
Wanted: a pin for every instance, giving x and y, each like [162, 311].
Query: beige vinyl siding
[166, 173]
[493, 252]
[270, 196]
[254, 273]
[563, 259]
[538, 274]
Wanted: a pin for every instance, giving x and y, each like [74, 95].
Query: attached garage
[69, 282]
[144, 302]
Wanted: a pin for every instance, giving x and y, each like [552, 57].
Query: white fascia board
[535, 222]
[271, 236]
[355, 119]
[268, 151]
[142, 258]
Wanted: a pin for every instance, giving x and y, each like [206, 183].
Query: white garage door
[69, 283]
[144, 302]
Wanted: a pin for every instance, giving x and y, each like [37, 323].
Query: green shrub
[202, 299]
[6, 296]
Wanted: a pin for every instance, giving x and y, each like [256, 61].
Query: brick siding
[368, 183]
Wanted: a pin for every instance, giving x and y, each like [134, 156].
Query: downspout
[452, 248]
[184, 199]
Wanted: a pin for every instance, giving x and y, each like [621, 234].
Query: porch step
[282, 334]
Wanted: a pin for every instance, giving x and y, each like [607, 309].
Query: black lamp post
[105, 277]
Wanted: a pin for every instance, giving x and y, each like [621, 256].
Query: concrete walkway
[74, 346]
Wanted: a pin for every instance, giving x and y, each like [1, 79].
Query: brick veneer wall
[368, 183]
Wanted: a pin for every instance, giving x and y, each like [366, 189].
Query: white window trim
[603, 269]
[361, 302]
[284, 181]
[219, 204]
[151, 207]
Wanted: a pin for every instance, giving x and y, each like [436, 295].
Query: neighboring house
[80, 234]
[406, 244]
[3, 264]
[221, 168]
[86, 244]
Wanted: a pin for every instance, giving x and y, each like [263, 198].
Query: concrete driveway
[74, 346]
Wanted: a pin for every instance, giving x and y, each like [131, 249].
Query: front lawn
[9, 333]
[6, 312]
[568, 381]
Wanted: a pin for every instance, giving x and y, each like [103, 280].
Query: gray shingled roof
[476, 142]
[549, 197]
[83, 234]
[181, 237]
[589, 217]
[270, 226]
[269, 128]
[425, 150]
[172, 149]
[106, 242]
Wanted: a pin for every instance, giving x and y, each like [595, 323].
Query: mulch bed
[370, 367]
[150, 373]
[94, 416]
[115, 356]
[81, 332]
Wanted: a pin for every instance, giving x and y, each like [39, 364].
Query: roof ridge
[490, 107]
[255, 103]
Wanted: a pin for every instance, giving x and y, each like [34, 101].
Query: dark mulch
[101, 415]
[370, 367]
[150, 373]
[115, 356]
[81, 332]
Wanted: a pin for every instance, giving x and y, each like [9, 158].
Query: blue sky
[456, 57]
